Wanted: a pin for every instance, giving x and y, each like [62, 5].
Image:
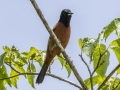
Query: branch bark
[32, 73]
[48, 74]
[54, 76]
[99, 64]
[91, 82]
[108, 77]
[39, 12]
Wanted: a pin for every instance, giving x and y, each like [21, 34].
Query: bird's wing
[51, 44]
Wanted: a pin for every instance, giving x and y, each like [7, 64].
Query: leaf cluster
[99, 54]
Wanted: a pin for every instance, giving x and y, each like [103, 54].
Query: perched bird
[62, 32]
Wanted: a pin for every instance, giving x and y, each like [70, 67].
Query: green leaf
[8, 81]
[105, 87]
[100, 79]
[20, 69]
[118, 88]
[118, 71]
[80, 43]
[18, 54]
[2, 59]
[7, 58]
[30, 77]
[89, 45]
[117, 52]
[6, 49]
[68, 69]
[64, 64]
[31, 80]
[33, 50]
[40, 61]
[25, 54]
[62, 61]
[18, 63]
[14, 49]
[117, 23]
[115, 43]
[33, 67]
[99, 50]
[14, 80]
[3, 74]
[23, 60]
[115, 82]
[94, 79]
[2, 86]
[110, 28]
[40, 57]
[13, 73]
[20, 57]
[103, 68]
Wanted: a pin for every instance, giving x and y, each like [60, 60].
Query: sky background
[21, 26]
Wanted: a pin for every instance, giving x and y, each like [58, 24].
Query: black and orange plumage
[62, 32]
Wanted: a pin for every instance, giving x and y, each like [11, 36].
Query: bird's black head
[65, 17]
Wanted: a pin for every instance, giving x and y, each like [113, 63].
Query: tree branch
[99, 64]
[108, 77]
[115, 78]
[91, 82]
[48, 74]
[116, 86]
[54, 76]
[9, 77]
[97, 67]
[39, 12]
[12, 67]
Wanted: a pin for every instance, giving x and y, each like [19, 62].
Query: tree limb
[48, 74]
[39, 12]
[12, 67]
[116, 86]
[91, 82]
[54, 76]
[108, 77]
[99, 64]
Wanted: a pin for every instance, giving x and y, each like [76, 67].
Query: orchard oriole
[62, 32]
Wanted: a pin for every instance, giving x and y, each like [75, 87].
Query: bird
[62, 31]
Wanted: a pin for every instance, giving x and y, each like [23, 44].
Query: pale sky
[21, 26]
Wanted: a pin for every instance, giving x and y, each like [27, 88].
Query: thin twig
[54, 76]
[9, 77]
[39, 12]
[91, 82]
[48, 74]
[97, 67]
[116, 86]
[29, 64]
[12, 67]
[114, 81]
[108, 77]
[99, 64]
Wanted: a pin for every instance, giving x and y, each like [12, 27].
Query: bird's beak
[70, 13]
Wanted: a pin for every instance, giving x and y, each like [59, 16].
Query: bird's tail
[42, 73]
